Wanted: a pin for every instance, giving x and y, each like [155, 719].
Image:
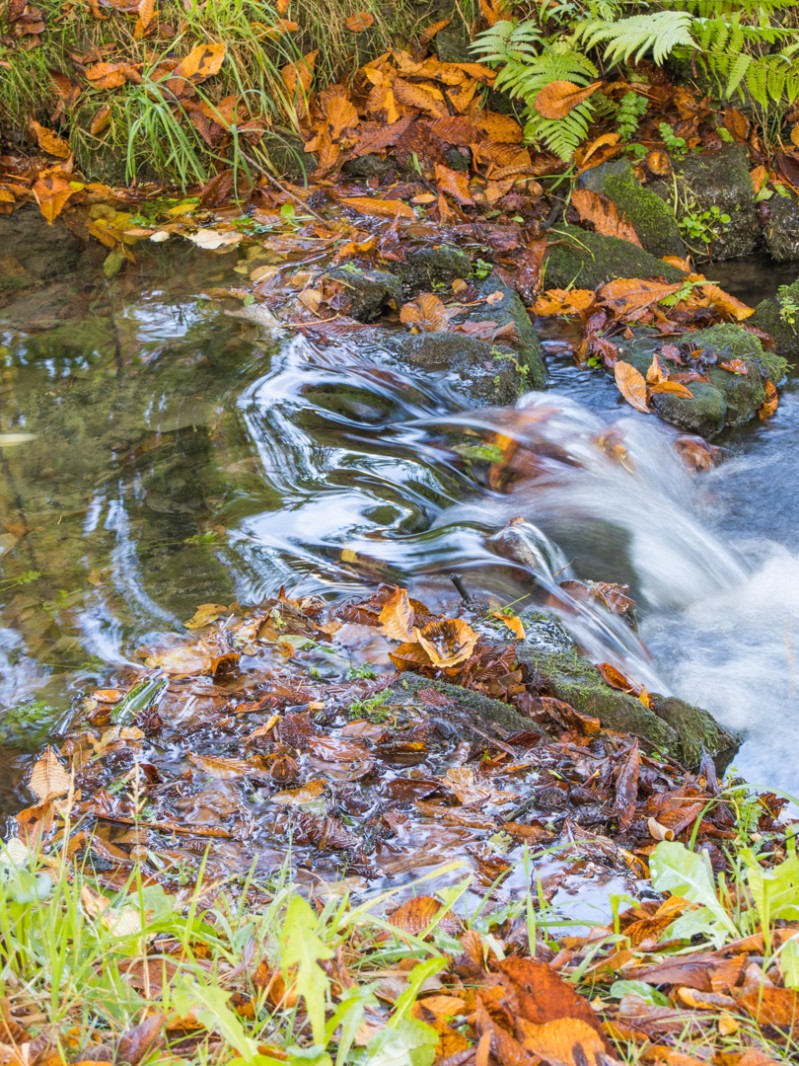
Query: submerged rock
[42, 251]
[585, 260]
[779, 317]
[727, 399]
[650, 216]
[427, 268]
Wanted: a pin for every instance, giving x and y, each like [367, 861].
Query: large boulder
[651, 217]
[708, 180]
[727, 399]
[585, 260]
[781, 228]
[779, 317]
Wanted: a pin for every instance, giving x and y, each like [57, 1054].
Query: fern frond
[632, 38]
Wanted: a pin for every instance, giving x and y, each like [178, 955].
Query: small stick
[283, 189]
[166, 827]
[457, 581]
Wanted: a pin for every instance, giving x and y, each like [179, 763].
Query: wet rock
[585, 260]
[369, 292]
[429, 268]
[368, 166]
[781, 228]
[452, 43]
[684, 731]
[43, 251]
[477, 373]
[651, 217]
[773, 315]
[727, 399]
[717, 179]
[462, 706]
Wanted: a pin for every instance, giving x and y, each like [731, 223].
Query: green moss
[652, 217]
[768, 318]
[585, 260]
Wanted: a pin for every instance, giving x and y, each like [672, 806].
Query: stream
[158, 452]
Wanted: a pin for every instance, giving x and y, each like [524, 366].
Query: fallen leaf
[415, 915]
[558, 98]
[616, 679]
[771, 402]
[603, 214]
[48, 777]
[735, 366]
[359, 22]
[426, 313]
[564, 302]
[366, 205]
[513, 622]
[107, 75]
[631, 385]
[448, 642]
[454, 183]
[202, 62]
[50, 142]
[629, 298]
[675, 388]
[396, 617]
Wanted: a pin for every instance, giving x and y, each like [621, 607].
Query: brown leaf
[696, 453]
[604, 215]
[146, 12]
[565, 1042]
[426, 313]
[729, 305]
[448, 642]
[415, 915]
[396, 617]
[735, 366]
[627, 786]
[48, 777]
[359, 22]
[631, 385]
[659, 164]
[558, 98]
[543, 996]
[454, 183]
[616, 679]
[367, 205]
[629, 298]
[771, 402]
[143, 1038]
[50, 142]
[202, 62]
[101, 120]
[297, 76]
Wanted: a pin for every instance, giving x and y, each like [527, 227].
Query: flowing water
[158, 452]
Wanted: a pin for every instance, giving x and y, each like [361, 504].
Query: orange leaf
[564, 1042]
[659, 163]
[146, 11]
[448, 642]
[426, 313]
[415, 915]
[101, 120]
[735, 366]
[729, 305]
[769, 405]
[396, 617]
[455, 183]
[631, 385]
[513, 622]
[106, 75]
[696, 453]
[366, 205]
[202, 62]
[299, 75]
[50, 142]
[564, 301]
[52, 193]
[340, 116]
[631, 297]
[558, 98]
[675, 388]
[657, 372]
[616, 679]
[359, 22]
[604, 215]
[429, 32]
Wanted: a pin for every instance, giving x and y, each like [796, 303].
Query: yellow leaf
[631, 385]
[396, 617]
[558, 98]
[448, 642]
[48, 777]
[51, 194]
[50, 142]
[202, 62]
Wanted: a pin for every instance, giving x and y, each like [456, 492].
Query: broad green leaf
[303, 947]
[411, 1043]
[789, 962]
[638, 988]
[686, 873]
[775, 891]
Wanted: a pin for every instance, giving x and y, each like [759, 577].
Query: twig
[286, 192]
[166, 827]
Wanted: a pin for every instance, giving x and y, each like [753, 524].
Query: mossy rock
[431, 267]
[781, 228]
[476, 373]
[717, 179]
[585, 260]
[464, 706]
[370, 293]
[550, 656]
[768, 317]
[725, 401]
[650, 216]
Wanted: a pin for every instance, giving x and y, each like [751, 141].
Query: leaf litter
[372, 780]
